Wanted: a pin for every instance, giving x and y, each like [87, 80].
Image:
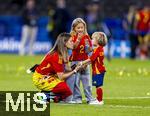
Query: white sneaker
[78, 102]
[96, 102]
[101, 103]
[71, 102]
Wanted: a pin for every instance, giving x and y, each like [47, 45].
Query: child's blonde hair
[75, 23]
[101, 38]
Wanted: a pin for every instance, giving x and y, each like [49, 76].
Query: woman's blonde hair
[60, 46]
[75, 23]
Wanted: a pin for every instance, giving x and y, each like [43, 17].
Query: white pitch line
[127, 106]
[126, 97]
[114, 106]
[148, 97]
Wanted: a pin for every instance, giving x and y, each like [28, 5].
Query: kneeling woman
[50, 75]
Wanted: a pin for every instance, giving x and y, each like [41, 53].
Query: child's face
[94, 40]
[79, 29]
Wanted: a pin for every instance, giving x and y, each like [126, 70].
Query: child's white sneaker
[71, 102]
[96, 102]
[101, 103]
[78, 102]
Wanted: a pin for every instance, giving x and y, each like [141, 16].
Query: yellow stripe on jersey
[60, 61]
[97, 71]
[94, 50]
[101, 53]
[48, 65]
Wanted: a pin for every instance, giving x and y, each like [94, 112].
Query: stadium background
[126, 85]
[11, 24]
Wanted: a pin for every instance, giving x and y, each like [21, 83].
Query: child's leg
[77, 96]
[85, 78]
[97, 80]
[71, 83]
[99, 92]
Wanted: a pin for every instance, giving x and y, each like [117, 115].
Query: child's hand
[80, 63]
[84, 66]
[78, 67]
[80, 36]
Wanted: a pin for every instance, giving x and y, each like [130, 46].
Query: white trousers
[28, 36]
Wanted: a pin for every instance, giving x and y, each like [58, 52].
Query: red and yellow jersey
[51, 64]
[97, 60]
[45, 84]
[79, 54]
[143, 20]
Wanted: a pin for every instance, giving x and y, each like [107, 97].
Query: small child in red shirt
[99, 40]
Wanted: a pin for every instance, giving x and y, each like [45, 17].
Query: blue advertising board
[10, 36]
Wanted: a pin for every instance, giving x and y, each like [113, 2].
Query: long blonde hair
[60, 47]
[75, 23]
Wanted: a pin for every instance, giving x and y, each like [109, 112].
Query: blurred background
[29, 27]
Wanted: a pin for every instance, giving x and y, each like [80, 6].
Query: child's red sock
[99, 92]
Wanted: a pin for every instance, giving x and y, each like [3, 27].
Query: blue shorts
[97, 80]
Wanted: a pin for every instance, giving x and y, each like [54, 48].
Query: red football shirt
[79, 54]
[97, 60]
[143, 23]
[51, 64]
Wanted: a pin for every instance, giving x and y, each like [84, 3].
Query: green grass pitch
[126, 87]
